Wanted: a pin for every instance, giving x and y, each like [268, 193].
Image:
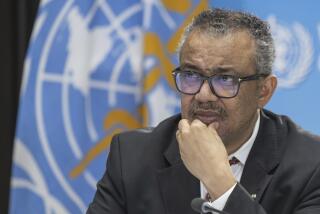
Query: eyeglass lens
[222, 85]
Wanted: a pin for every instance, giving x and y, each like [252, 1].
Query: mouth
[207, 117]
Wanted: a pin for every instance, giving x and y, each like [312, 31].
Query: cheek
[250, 99]
[186, 101]
[244, 106]
[241, 105]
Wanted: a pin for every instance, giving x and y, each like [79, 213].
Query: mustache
[212, 107]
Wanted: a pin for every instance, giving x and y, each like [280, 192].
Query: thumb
[213, 126]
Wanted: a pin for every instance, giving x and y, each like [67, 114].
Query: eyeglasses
[222, 85]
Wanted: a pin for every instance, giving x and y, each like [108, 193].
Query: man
[225, 80]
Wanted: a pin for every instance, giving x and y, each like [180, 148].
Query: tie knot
[233, 161]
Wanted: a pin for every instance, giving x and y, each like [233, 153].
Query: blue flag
[93, 68]
[97, 67]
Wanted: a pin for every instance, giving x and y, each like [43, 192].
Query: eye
[226, 78]
[190, 75]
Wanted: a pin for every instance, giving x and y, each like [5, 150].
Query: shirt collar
[242, 153]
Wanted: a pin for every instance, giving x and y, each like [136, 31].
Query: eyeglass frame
[208, 78]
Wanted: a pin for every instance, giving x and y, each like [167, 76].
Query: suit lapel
[178, 187]
[262, 160]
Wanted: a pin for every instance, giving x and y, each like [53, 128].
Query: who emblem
[93, 69]
[83, 62]
[294, 52]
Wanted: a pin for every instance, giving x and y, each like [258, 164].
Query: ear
[267, 87]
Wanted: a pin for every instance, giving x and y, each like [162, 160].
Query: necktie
[232, 161]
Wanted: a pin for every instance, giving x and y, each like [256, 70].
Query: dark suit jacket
[146, 175]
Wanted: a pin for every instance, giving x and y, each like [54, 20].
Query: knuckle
[197, 124]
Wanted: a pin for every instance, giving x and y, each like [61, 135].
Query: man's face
[231, 54]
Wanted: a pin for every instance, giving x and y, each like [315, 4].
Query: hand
[205, 156]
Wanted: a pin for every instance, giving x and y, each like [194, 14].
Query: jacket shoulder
[296, 143]
[150, 138]
[164, 127]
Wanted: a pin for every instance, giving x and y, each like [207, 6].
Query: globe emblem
[86, 74]
[87, 66]
[294, 52]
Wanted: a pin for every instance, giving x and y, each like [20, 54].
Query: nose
[205, 94]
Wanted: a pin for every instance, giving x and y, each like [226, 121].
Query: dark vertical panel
[16, 20]
[7, 95]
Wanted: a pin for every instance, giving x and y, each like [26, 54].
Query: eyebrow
[212, 71]
[190, 66]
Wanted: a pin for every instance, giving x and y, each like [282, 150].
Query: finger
[183, 125]
[198, 125]
[178, 136]
[179, 139]
[197, 122]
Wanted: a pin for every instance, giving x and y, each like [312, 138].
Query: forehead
[234, 51]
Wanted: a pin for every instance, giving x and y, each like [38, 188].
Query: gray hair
[220, 22]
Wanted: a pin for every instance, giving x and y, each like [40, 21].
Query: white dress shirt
[241, 154]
